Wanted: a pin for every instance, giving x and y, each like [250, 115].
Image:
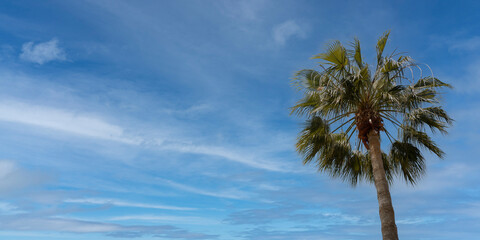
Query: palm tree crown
[350, 97]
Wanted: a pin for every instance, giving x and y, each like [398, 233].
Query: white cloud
[42, 52]
[6, 168]
[7, 208]
[13, 178]
[56, 224]
[119, 203]
[268, 187]
[62, 120]
[25, 223]
[419, 220]
[167, 218]
[231, 193]
[229, 154]
[286, 30]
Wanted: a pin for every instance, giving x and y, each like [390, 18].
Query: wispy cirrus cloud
[304, 233]
[14, 178]
[31, 223]
[281, 33]
[42, 52]
[229, 193]
[62, 120]
[229, 154]
[465, 44]
[35, 223]
[294, 214]
[8, 208]
[168, 218]
[120, 203]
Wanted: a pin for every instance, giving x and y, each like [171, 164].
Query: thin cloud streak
[232, 193]
[168, 218]
[119, 203]
[30, 223]
[227, 154]
[62, 120]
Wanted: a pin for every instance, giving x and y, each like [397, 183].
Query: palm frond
[356, 53]
[434, 117]
[407, 161]
[420, 139]
[430, 82]
[313, 138]
[382, 42]
[307, 104]
[336, 56]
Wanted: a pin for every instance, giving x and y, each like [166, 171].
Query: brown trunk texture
[387, 215]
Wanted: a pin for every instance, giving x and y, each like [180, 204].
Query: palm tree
[349, 96]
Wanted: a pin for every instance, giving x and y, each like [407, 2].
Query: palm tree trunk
[387, 215]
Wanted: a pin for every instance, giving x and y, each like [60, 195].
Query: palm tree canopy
[347, 96]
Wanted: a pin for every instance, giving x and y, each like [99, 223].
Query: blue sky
[169, 120]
